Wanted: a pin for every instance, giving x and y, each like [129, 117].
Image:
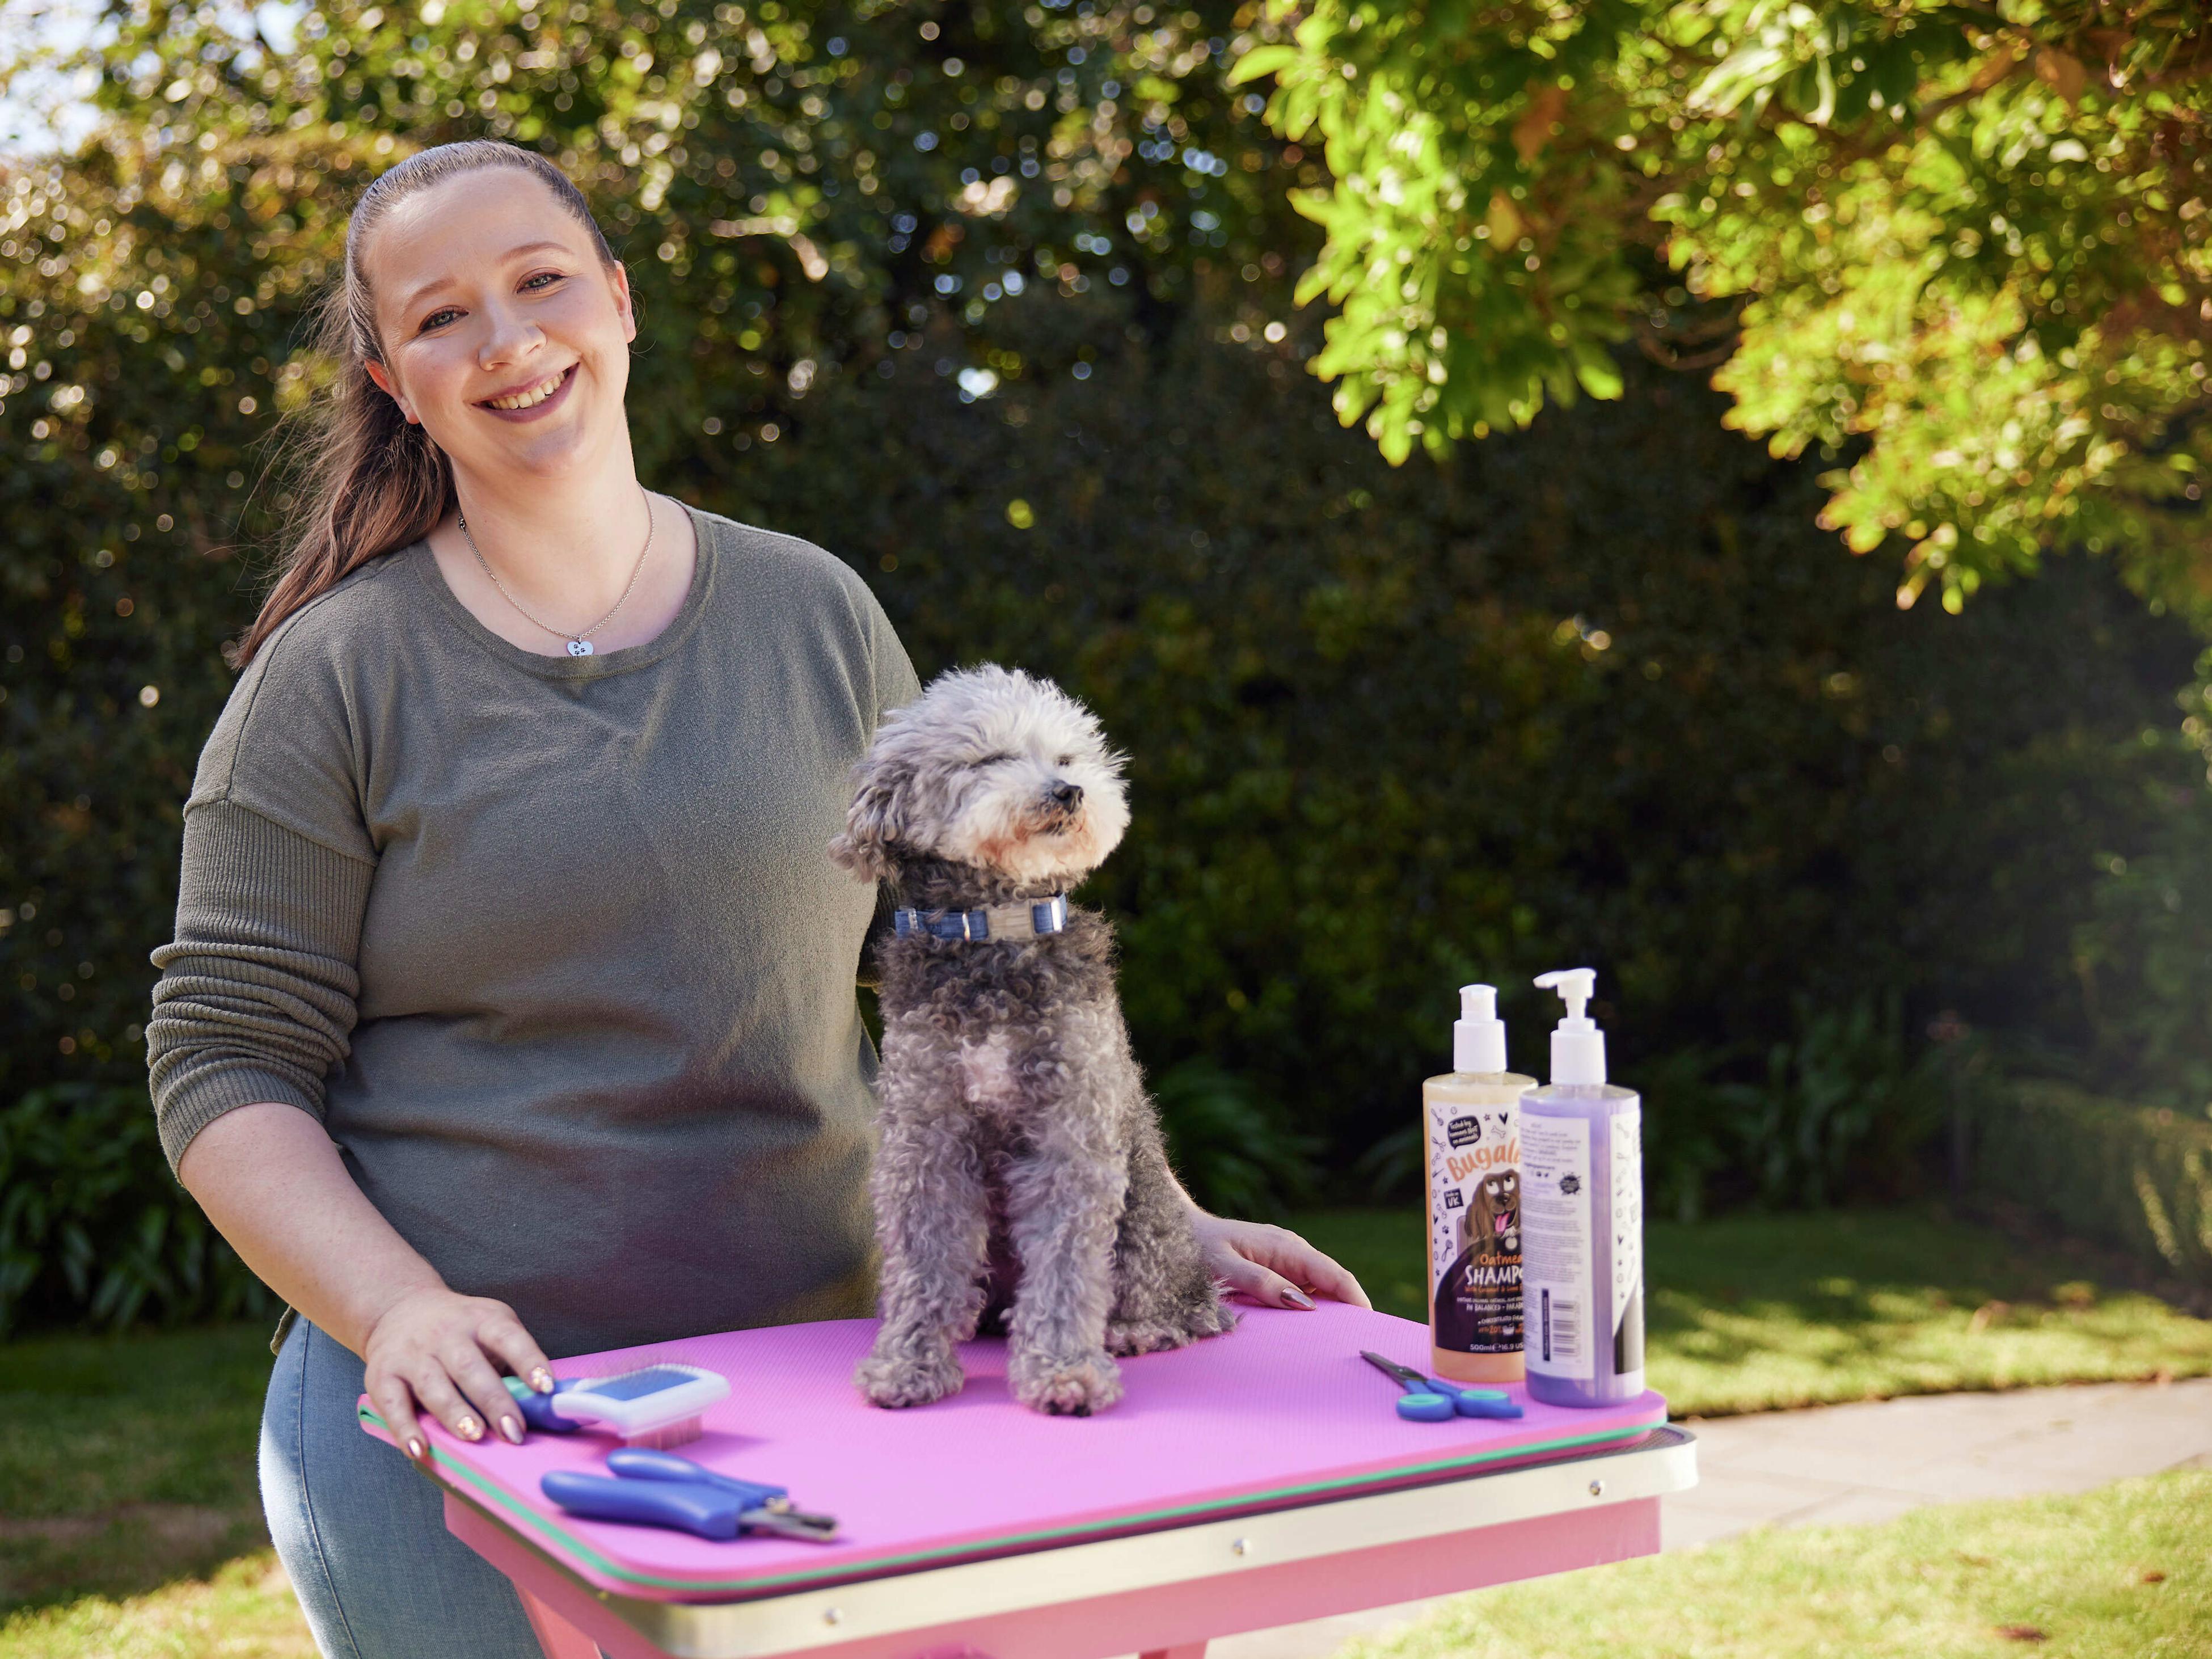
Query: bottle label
[1474, 1227]
[1628, 1241]
[1555, 1169]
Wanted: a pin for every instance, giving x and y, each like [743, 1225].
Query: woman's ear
[382, 376]
[625, 301]
[874, 821]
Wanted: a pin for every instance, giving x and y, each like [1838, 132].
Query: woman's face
[504, 335]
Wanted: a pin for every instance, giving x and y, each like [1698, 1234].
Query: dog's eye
[1065, 760]
[995, 760]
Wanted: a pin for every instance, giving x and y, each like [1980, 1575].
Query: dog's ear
[873, 821]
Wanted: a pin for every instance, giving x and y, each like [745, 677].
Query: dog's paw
[897, 1381]
[1176, 1328]
[1132, 1336]
[1067, 1387]
[1213, 1317]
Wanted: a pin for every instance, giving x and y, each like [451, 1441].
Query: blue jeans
[362, 1532]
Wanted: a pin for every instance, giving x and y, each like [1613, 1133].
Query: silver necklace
[580, 644]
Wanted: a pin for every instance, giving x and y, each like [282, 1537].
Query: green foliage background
[1972, 235]
[1599, 690]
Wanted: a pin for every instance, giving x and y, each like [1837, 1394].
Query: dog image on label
[1476, 1298]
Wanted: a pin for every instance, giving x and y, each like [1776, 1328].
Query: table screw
[833, 1615]
[1597, 1489]
[1240, 1547]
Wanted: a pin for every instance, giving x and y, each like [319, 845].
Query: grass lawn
[243, 1610]
[127, 1461]
[1752, 1313]
[2124, 1573]
[129, 1525]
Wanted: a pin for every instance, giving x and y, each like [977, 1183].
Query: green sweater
[552, 946]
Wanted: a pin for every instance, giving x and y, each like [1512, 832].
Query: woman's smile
[533, 402]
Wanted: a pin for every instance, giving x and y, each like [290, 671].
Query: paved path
[1873, 1461]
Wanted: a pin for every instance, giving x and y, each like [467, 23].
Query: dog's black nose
[1066, 794]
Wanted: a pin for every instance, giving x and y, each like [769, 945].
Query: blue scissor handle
[1479, 1403]
[638, 1464]
[1425, 1407]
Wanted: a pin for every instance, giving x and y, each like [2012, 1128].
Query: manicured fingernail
[414, 1447]
[469, 1429]
[511, 1428]
[1297, 1298]
[541, 1379]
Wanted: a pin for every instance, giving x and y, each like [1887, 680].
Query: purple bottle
[1581, 1218]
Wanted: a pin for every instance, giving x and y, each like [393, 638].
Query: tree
[1961, 241]
[835, 173]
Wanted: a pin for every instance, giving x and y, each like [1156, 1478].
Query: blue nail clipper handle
[659, 1489]
[638, 1463]
[688, 1506]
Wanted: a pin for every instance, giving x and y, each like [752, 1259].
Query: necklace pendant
[580, 647]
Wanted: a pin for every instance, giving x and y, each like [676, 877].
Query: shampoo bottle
[1582, 1167]
[1474, 1200]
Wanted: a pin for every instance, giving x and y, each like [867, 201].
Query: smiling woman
[512, 997]
[478, 1032]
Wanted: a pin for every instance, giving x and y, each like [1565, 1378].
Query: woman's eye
[435, 318]
[543, 275]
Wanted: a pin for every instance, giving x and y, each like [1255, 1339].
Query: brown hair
[367, 479]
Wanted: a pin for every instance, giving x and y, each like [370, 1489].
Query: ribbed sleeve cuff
[256, 999]
[220, 1086]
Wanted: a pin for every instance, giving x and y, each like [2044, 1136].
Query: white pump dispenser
[1577, 1046]
[1477, 1035]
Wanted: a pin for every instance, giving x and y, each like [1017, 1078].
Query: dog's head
[990, 767]
[1501, 1197]
[1495, 1211]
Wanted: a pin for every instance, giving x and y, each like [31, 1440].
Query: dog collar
[995, 921]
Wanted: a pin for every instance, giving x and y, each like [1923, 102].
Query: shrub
[2143, 956]
[1234, 1156]
[2137, 1176]
[91, 1224]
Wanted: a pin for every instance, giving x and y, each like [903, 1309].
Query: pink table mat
[1281, 1410]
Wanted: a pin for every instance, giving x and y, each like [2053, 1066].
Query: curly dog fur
[1021, 1161]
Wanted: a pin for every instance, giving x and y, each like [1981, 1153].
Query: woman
[511, 1008]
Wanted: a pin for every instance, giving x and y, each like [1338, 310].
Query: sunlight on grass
[127, 1463]
[1750, 1313]
[2124, 1573]
[244, 1611]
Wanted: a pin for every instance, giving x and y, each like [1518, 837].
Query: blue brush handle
[685, 1505]
[638, 1463]
[536, 1408]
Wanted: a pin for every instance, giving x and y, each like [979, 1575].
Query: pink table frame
[1162, 1594]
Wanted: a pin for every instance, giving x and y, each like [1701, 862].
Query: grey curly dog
[1020, 1157]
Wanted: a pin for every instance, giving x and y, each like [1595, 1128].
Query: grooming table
[1257, 1479]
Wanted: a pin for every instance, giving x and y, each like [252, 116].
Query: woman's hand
[435, 1347]
[1271, 1265]
[274, 1185]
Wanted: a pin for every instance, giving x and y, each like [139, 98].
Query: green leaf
[1265, 59]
